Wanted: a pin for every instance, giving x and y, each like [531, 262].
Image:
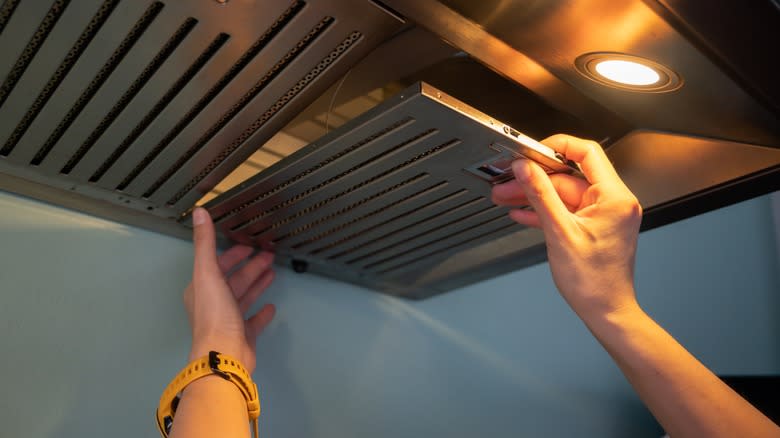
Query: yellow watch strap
[222, 365]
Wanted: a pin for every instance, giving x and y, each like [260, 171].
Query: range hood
[311, 127]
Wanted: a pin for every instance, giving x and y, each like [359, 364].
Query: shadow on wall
[93, 312]
[362, 364]
[280, 394]
[712, 281]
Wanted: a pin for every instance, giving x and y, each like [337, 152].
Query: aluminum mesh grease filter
[384, 200]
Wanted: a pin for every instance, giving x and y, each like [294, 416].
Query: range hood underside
[134, 110]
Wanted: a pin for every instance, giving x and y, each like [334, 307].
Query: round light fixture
[628, 72]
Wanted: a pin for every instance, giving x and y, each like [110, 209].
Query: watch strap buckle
[214, 365]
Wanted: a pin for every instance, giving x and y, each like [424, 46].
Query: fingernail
[198, 216]
[522, 169]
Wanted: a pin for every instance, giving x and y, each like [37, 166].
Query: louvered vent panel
[381, 201]
[133, 110]
[149, 104]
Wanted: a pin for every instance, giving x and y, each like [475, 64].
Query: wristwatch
[223, 366]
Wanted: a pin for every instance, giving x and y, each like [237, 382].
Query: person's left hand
[217, 298]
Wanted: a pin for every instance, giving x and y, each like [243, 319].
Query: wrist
[617, 320]
[594, 302]
[202, 347]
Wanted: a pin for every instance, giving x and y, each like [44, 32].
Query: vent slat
[316, 212]
[81, 44]
[359, 209]
[367, 222]
[418, 235]
[284, 103]
[152, 51]
[167, 49]
[238, 106]
[405, 217]
[176, 91]
[381, 199]
[370, 181]
[315, 161]
[6, 11]
[19, 28]
[88, 49]
[493, 229]
[43, 63]
[435, 269]
[97, 82]
[30, 50]
[419, 248]
[258, 87]
[336, 171]
[351, 181]
[251, 61]
[153, 99]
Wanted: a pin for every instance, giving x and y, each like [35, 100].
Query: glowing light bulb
[627, 72]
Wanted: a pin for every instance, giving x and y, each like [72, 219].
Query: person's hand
[217, 298]
[590, 227]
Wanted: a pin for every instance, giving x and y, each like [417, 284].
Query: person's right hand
[590, 227]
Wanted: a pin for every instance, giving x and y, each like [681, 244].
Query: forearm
[686, 398]
[209, 407]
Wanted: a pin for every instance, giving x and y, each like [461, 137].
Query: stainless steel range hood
[148, 104]
[136, 110]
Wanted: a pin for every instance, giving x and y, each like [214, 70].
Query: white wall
[92, 329]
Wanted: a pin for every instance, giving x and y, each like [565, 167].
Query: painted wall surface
[92, 328]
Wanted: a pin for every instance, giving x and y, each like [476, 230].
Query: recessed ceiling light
[628, 72]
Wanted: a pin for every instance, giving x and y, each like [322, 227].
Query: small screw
[299, 266]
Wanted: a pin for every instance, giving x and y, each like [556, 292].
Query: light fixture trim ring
[668, 79]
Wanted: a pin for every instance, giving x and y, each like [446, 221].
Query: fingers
[591, 157]
[260, 320]
[232, 257]
[529, 218]
[204, 242]
[569, 188]
[255, 290]
[540, 192]
[242, 279]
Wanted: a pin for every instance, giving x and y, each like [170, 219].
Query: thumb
[540, 192]
[204, 241]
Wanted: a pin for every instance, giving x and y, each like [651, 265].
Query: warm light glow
[627, 72]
